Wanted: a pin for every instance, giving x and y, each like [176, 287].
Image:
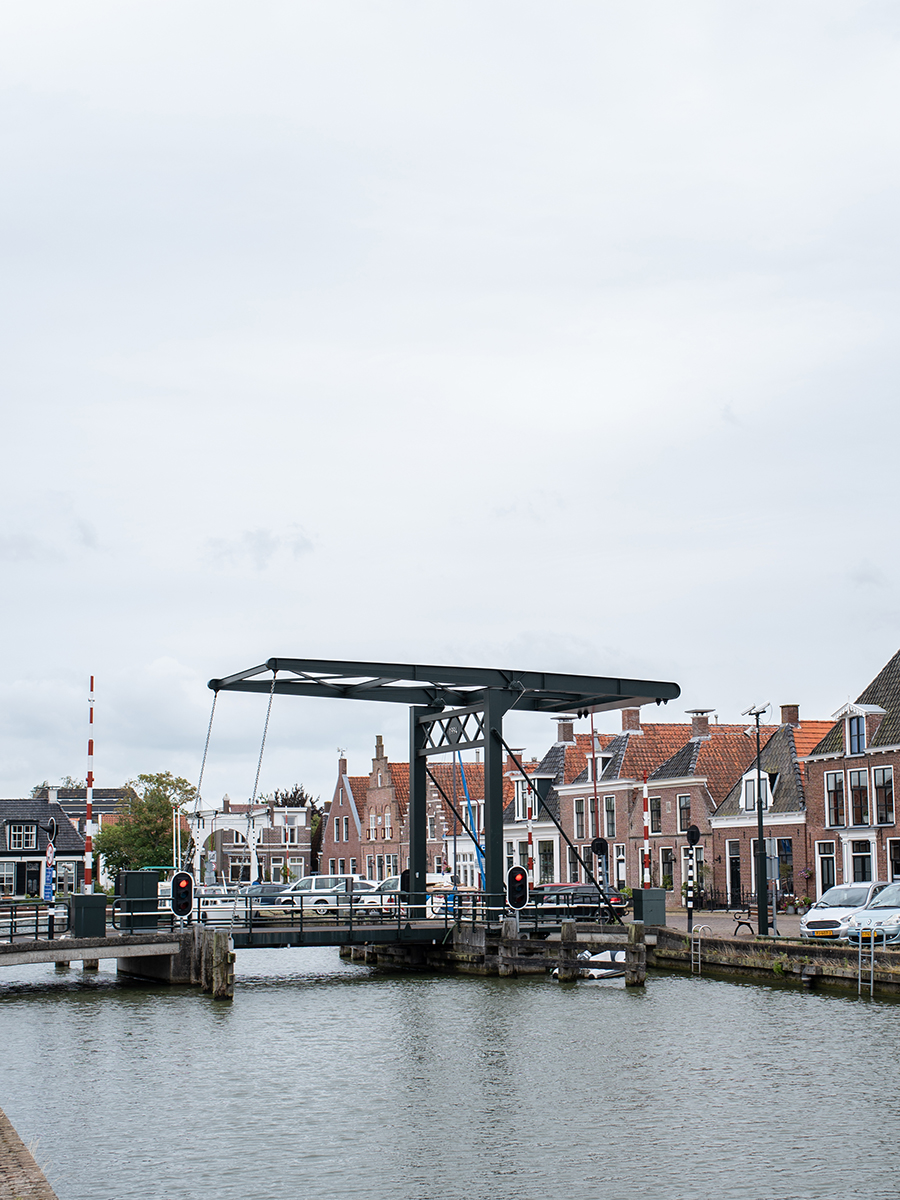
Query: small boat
[606, 964]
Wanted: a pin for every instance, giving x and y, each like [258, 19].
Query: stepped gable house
[783, 785]
[365, 826]
[851, 813]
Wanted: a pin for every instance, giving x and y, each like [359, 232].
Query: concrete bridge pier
[205, 957]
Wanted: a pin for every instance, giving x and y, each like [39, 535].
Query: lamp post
[762, 881]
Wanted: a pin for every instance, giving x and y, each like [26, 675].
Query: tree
[142, 837]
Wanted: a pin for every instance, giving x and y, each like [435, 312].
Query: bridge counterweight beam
[418, 817]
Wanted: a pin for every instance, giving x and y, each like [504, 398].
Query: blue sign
[48, 883]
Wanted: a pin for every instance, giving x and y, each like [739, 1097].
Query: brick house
[23, 848]
[783, 783]
[365, 825]
[239, 843]
[851, 815]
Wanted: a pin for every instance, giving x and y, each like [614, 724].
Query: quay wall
[20, 1176]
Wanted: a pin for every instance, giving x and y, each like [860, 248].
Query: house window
[894, 860]
[609, 803]
[346, 829]
[372, 830]
[859, 797]
[523, 854]
[353, 866]
[332, 866]
[579, 821]
[23, 837]
[592, 817]
[370, 866]
[392, 864]
[387, 823]
[379, 867]
[295, 868]
[545, 862]
[337, 829]
[834, 790]
[883, 783]
[620, 866]
[510, 861]
[432, 828]
[684, 813]
[861, 854]
[666, 868]
[7, 878]
[573, 866]
[438, 864]
[825, 856]
[655, 815]
[856, 732]
[342, 866]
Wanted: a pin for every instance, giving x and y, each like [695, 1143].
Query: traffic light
[182, 893]
[517, 887]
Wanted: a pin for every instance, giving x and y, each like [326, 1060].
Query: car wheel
[321, 905]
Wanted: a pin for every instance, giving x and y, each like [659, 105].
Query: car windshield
[844, 897]
[889, 898]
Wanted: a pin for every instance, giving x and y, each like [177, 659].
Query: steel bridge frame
[450, 708]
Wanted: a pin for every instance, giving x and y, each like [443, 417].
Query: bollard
[635, 956]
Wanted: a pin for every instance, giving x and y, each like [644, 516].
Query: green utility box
[649, 905]
[137, 893]
[88, 915]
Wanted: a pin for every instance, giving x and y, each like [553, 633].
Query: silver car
[829, 917]
[880, 919]
[320, 892]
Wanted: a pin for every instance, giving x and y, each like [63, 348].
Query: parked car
[579, 899]
[879, 919]
[829, 917]
[322, 892]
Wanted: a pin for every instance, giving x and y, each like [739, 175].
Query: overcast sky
[532, 335]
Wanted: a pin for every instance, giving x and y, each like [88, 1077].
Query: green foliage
[143, 835]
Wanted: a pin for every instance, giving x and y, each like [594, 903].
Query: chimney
[631, 720]
[51, 795]
[699, 722]
[565, 730]
[790, 714]
[226, 803]
[342, 767]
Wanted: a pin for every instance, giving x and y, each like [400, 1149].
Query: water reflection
[327, 1078]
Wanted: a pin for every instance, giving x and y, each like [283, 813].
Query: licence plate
[865, 933]
[822, 933]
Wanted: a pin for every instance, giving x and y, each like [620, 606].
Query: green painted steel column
[494, 872]
[418, 818]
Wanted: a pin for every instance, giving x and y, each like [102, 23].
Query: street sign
[693, 835]
[51, 855]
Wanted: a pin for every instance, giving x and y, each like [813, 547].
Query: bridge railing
[34, 919]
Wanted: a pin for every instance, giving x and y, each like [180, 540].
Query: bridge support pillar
[90, 965]
[60, 967]
[216, 955]
[568, 968]
[508, 950]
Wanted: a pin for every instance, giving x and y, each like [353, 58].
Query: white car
[317, 893]
[879, 920]
[829, 917]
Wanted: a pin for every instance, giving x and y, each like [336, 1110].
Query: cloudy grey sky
[535, 335]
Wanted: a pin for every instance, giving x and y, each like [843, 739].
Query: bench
[741, 918]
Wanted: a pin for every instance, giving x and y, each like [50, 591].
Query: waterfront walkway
[20, 1176]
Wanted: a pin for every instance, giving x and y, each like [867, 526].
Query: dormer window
[22, 837]
[598, 766]
[523, 792]
[856, 735]
[750, 792]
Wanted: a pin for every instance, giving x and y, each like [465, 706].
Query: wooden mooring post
[636, 956]
[568, 968]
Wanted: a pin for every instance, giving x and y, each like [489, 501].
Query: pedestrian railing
[33, 919]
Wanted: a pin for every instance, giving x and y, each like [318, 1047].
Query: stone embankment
[20, 1176]
[475, 950]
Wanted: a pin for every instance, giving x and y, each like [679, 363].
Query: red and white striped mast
[646, 871]
[89, 799]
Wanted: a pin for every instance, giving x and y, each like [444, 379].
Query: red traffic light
[517, 887]
[182, 894]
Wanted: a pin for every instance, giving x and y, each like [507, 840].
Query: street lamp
[762, 881]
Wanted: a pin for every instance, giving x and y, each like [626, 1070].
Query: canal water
[327, 1079]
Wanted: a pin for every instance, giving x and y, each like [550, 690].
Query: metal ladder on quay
[874, 935]
[696, 948]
